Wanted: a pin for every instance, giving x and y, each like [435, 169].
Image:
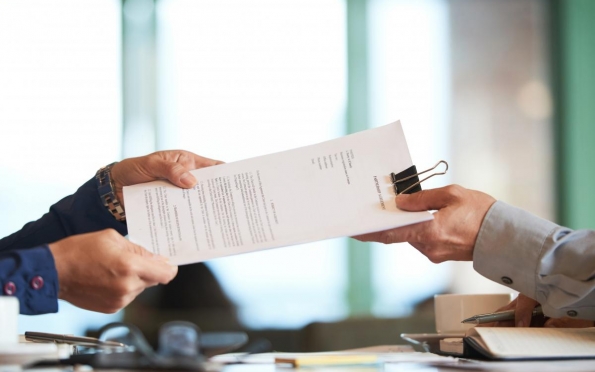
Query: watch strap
[107, 192]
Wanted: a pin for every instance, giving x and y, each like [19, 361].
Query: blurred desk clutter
[396, 358]
[159, 340]
[25, 353]
[183, 347]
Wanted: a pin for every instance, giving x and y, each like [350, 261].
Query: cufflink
[506, 280]
[36, 282]
[10, 288]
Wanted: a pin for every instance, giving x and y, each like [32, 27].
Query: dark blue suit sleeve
[30, 275]
[79, 213]
[25, 257]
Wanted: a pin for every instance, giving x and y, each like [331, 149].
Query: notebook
[530, 343]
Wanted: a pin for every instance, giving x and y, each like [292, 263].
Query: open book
[336, 188]
[530, 343]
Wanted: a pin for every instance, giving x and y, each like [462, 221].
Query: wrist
[118, 187]
[110, 194]
[59, 262]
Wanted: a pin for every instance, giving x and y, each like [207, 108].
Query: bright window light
[60, 115]
[409, 67]
[239, 79]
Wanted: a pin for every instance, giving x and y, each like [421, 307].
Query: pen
[66, 339]
[497, 316]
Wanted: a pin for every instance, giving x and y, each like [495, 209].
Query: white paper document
[332, 189]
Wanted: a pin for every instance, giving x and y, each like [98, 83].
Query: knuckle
[129, 270]
[111, 233]
[176, 168]
[111, 309]
[125, 270]
[455, 191]
[433, 253]
[152, 160]
[433, 256]
[434, 234]
[158, 154]
[182, 156]
[112, 303]
[117, 290]
[118, 304]
[386, 237]
[424, 235]
[123, 289]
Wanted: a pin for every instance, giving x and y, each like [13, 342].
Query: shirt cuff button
[10, 288]
[506, 280]
[571, 313]
[37, 282]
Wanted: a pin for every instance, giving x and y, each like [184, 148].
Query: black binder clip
[407, 181]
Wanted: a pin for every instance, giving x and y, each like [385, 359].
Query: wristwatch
[107, 192]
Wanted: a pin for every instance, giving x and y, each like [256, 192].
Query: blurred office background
[501, 89]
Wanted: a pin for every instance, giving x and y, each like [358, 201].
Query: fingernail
[520, 323]
[188, 180]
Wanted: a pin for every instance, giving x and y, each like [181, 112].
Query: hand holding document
[332, 189]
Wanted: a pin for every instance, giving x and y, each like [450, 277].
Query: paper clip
[406, 175]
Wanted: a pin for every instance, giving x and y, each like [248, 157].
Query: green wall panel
[575, 82]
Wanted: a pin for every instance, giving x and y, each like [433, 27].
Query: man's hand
[102, 271]
[451, 235]
[523, 310]
[523, 314]
[170, 165]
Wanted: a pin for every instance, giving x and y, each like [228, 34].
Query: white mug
[451, 309]
[9, 316]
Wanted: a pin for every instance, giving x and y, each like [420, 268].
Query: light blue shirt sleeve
[552, 264]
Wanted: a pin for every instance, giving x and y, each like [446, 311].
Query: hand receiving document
[332, 189]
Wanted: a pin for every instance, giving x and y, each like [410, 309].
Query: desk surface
[540, 366]
[419, 362]
[535, 366]
[384, 368]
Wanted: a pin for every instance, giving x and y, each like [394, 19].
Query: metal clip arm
[418, 174]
